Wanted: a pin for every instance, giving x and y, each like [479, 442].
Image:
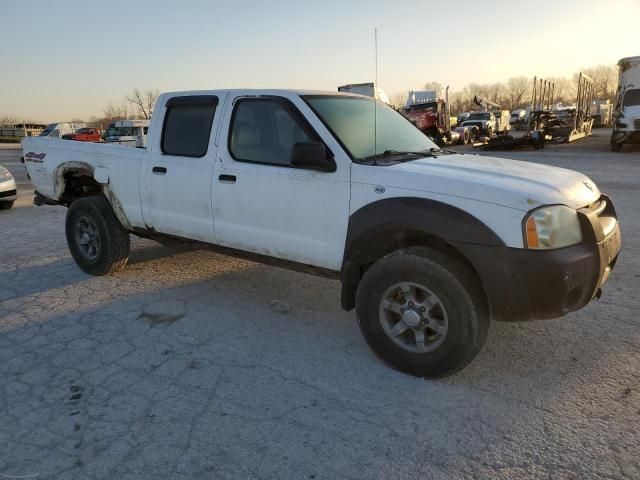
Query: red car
[84, 135]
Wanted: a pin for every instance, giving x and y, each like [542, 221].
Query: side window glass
[187, 127]
[265, 131]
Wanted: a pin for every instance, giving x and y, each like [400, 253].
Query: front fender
[395, 222]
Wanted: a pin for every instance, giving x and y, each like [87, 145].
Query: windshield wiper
[398, 153]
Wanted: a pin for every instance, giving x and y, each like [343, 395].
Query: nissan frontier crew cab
[429, 245]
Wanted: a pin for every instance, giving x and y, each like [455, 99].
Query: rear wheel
[422, 312]
[97, 241]
[6, 205]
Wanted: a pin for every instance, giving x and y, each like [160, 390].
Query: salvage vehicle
[84, 135]
[368, 89]
[602, 113]
[491, 119]
[58, 130]
[432, 116]
[518, 118]
[429, 245]
[8, 189]
[132, 133]
[626, 118]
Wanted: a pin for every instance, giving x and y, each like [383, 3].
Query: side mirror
[313, 156]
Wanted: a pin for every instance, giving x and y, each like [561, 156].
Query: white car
[8, 190]
[429, 244]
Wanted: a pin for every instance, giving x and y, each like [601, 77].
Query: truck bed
[47, 158]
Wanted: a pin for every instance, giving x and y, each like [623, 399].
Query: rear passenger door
[263, 204]
[180, 168]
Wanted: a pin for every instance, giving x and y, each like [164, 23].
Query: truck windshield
[424, 106]
[631, 98]
[478, 116]
[47, 131]
[351, 120]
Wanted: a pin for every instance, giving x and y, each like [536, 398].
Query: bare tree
[564, 90]
[115, 112]
[143, 102]
[605, 81]
[436, 87]
[398, 99]
[8, 120]
[518, 92]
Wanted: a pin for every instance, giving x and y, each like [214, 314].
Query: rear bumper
[538, 284]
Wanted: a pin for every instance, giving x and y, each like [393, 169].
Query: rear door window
[187, 125]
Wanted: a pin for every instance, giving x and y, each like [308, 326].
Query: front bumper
[625, 136]
[538, 284]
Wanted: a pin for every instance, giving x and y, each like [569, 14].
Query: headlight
[5, 176]
[552, 227]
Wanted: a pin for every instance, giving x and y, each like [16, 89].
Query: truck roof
[260, 91]
[630, 59]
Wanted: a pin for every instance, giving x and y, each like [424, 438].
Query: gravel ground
[193, 365]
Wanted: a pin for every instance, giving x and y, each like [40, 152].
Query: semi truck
[626, 117]
[429, 245]
[432, 115]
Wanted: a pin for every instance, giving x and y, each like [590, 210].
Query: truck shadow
[60, 274]
[264, 349]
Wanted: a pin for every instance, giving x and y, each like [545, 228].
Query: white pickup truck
[429, 245]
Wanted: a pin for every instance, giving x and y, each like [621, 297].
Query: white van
[626, 127]
[57, 130]
[132, 133]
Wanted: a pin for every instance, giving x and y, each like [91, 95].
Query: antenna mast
[375, 100]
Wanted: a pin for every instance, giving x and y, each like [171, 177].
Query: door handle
[161, 170]
[227, 178]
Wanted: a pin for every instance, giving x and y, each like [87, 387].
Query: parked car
[84, 135]
[8, 189]
[429, 244]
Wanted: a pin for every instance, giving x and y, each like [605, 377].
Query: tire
[465, 319]
[97, 241]
[616, 147]
[489, 132]
[6, 205]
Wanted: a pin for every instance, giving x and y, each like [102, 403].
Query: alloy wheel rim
[413, 317]
[87, 238]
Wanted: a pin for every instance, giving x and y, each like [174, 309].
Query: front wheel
[6, 205]
[423, 312]
[615, 146]
[97, 241]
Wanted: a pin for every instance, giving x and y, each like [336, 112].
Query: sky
[61, 60]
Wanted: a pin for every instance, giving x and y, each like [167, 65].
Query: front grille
[636, 123]
[8, 193]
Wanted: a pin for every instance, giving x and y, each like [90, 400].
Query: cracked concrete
[194, 365]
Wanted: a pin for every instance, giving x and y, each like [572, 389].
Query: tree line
[516, 91]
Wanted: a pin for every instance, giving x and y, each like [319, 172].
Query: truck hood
[510, 183]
